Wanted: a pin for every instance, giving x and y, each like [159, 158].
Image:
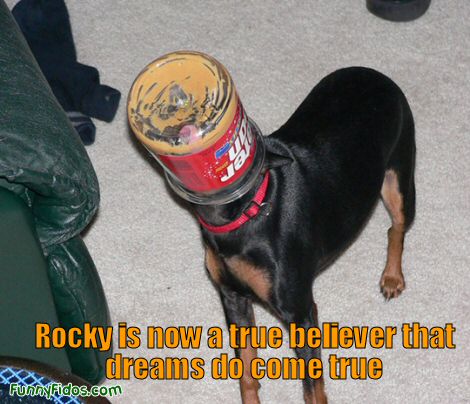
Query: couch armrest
[42, 158]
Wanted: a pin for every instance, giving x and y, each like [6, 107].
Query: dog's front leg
[303, 313]
[239, 311]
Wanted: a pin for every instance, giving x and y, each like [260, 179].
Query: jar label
[222, 163]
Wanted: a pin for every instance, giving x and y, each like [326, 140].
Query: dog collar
[250, 212]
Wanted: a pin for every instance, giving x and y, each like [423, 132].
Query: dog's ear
[274, 160]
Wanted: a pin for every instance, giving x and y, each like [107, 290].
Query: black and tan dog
[350, 142]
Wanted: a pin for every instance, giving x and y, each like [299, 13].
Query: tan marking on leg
[392, 282]
[256, 278]
[248, 385]
[317, 395]
[320, 394]
[214, 265]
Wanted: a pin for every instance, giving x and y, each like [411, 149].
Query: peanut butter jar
[184, 108]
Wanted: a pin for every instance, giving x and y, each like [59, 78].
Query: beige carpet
[147, 247]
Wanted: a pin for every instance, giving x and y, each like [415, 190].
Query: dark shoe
[398, 10]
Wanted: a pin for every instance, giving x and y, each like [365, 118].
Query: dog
[350, 142]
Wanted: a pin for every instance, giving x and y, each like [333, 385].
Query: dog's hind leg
[393, 281]
[398, 195]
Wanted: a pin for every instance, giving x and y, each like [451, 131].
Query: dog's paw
[391, 285]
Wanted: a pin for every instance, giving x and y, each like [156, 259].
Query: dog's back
[352, 127]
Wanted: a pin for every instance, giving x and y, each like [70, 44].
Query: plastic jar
[184, 108]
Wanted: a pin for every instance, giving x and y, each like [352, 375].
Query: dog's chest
[236, 272]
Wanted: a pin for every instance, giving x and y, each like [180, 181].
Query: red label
[222, 163]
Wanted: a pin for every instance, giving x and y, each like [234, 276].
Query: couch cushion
[42, 158]
[25, 294]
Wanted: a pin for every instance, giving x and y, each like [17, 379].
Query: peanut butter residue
[181, 103]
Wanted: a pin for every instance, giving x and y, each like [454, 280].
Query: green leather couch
[48, 194]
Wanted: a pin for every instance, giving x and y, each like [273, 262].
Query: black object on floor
[398, 10]
[46, 27]
[84, 126]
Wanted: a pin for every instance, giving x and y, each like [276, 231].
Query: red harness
[253, 209]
